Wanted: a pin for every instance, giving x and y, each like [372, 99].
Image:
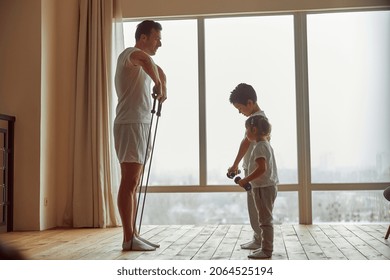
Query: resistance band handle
[159, 109]
[154, 103]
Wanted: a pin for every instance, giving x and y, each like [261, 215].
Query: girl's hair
[261, 123]
[146, 28]
[242, 94]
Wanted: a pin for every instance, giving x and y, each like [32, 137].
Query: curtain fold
[93, 197]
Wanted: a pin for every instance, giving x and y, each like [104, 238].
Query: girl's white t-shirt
[269, 178]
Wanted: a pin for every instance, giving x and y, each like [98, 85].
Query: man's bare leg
[131, 173]
[136, 229]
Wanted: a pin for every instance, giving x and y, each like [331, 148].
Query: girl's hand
[243, 182]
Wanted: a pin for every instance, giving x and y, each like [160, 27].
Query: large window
[212, 208]
[349, 91]
[264, 62]
[258, 51]
[350, 206]
[344, 118]
[176, 154]
[349, 87]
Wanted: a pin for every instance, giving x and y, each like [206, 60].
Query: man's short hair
[146, 28]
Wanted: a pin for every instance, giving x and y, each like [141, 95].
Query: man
[134, 73]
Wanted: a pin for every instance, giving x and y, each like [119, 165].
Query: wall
[66, 14]
[20, 96]
[38, 47]
[47, 210]
[59, 53]
[158, 8]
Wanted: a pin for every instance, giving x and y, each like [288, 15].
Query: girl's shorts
[130, 142]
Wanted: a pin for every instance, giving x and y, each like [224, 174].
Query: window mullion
[303, 122]
[202, 104]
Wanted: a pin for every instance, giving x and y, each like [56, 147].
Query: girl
[263, 177]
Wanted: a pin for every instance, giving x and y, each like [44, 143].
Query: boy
[244, 99]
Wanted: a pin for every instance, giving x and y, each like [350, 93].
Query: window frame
[304, 187]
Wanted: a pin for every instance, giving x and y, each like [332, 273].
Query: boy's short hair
[146, 28]
[242, 94]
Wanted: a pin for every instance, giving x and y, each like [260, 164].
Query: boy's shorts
[130, 142]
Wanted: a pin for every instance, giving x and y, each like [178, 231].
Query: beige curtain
[92, 202]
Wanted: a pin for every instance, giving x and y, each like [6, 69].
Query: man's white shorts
[130, 142]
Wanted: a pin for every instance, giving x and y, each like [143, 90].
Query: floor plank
[312, 249]
[380, 247]
[280, 252]
[228, 243]
[246, 234]
[292, 244]
[209, 248]
[348, 250]
[331, 251]
[365, 249]
[206, 242]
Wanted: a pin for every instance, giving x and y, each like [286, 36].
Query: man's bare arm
[142, 59]
[244, 146]
[163, 79]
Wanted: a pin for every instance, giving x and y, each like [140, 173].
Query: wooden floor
[208, 242]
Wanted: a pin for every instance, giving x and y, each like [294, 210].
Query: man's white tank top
[133, 89]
